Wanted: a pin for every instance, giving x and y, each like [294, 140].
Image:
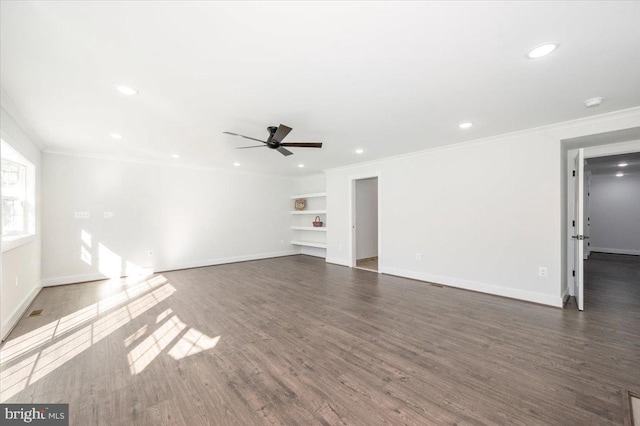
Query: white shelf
[309, 244]
[314, 195]
[316, 212]
[310, 228]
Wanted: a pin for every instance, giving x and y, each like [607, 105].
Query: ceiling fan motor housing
[270, 142]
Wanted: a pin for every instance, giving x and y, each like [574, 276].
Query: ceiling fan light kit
[274, 141]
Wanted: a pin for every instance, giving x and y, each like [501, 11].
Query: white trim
[612, 149]
[167, 163]
[19, 311]
[315, 252]
[545, 130]
[589, 152]
[565, 296]
[338, 261]
[73, 279]
[615, 251]
[529, 296]
[221, 261]
[12, 242]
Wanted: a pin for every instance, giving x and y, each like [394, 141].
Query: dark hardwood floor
[297, 341]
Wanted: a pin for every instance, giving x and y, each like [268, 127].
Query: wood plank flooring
[294, 340]
[370, 263]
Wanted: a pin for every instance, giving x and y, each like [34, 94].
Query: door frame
[352, 217]
[589, 152]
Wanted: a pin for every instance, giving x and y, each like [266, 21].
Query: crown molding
[160, 163]
[555, 131]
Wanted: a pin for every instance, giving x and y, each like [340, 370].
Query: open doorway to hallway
[366, 224]
[603, 211]
[612, 226]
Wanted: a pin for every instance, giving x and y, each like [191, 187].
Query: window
[14, 196]
[18, 196]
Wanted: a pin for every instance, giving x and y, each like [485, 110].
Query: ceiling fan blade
[243, 136]
[303, 144]
[255, 146]
[283, 151]
[281, 133]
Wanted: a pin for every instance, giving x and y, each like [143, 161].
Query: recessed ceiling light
[236, 164]
[622, 165]
[115, 135]
[593, 102]
[465, 125]
[542, 50]
[619, 174]
[301, 165]
[175, 155]
[126, 90]
[359, 151]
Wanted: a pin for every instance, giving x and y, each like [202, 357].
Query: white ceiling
[609, 165]
[388, 77]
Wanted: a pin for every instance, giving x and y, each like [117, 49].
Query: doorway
[587, 167]
[365, 247]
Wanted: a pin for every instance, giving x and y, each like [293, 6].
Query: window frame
[28, 234]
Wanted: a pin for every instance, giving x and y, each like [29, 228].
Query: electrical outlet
[542, 271]
[109, 215]
[418, 256]
[82, 215]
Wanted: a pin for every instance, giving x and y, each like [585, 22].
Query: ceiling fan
[274, 141]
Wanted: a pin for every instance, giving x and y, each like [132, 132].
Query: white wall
[366, 218]
[615, 214]
[483, 215]
[186, 217]
[23, 262]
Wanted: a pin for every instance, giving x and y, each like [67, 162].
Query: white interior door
[578, 230]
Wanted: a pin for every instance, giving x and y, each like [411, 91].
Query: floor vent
[35, 313]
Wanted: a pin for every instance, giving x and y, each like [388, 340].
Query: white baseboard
[314, 251]
[529, 296]
[565, 295]
[19, 311]
[72, 279]
[223, 260]
[338, 261]
[615, 251]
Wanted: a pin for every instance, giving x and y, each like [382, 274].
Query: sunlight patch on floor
[17, 377]
[135, 336]
[191, 343]
[143, 354]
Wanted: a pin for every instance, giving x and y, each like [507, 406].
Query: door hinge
[573, 223]
[574, 173]
[574, 273]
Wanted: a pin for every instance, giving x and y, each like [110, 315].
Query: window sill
[10, 243]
